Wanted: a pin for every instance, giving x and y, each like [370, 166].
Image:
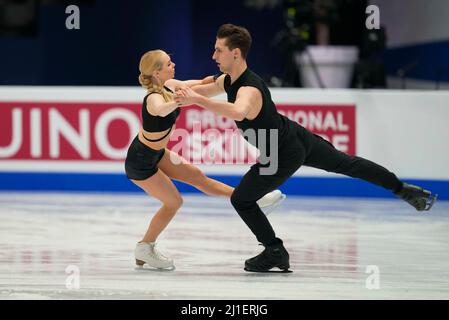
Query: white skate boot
[271, 201]
[147, 255]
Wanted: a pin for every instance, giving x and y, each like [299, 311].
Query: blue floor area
[304, 186]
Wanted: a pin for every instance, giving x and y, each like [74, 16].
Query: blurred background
[70, 100]
[296, 43]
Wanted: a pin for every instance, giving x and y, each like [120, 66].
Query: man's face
[223, 56]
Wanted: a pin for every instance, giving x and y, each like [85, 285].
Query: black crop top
[152, 123]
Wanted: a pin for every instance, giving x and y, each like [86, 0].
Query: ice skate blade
[269, 209]
[430, 202]
[148, 268]
[269, 271]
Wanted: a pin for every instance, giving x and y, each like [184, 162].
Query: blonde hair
[151, 61]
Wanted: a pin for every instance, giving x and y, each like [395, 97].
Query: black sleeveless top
[268, 117]
[152, 123]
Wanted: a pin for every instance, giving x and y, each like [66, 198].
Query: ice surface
[336, 247]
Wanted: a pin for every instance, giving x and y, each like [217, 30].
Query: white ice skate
[271, 201]
[148, 257]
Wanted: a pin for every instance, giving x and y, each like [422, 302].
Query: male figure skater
[250, 105]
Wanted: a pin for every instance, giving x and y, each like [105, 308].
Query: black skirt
[141, 161]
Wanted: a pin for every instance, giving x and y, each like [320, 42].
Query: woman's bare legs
[178, 168]
[163, 189]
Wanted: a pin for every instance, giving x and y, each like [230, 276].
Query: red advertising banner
[102, 131]
[66, 131]
[335, 123]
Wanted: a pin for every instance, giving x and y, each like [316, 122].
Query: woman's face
[167, 70]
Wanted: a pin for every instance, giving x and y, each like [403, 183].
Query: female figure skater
[151, 166]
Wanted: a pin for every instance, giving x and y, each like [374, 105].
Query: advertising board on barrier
[83, 132]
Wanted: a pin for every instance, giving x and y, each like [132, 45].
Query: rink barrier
[107, 183]
[76, 138]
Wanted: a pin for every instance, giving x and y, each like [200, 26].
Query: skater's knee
[235, 199]
[174, 203]
[238, 200]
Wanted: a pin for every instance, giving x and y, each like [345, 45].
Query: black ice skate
[273, 256]
[419, 198]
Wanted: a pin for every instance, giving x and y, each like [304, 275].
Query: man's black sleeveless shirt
[268, 117]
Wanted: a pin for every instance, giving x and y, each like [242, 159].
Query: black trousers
[300, 147]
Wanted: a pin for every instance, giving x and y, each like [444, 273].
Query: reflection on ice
[80, 246]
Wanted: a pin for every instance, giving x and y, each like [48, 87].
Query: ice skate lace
[158, 255]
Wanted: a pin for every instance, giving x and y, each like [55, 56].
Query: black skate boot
[419, 198]
[273, 256]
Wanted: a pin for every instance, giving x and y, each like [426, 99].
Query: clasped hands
[185, 96]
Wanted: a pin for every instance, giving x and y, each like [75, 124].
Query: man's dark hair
[236, 37]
